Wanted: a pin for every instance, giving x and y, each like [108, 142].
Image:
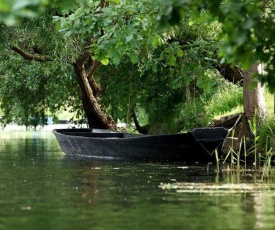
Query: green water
[40, 188]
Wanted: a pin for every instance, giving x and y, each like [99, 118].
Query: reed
[267, 166]
[230, 151]
[254, 129]
[239, 154]
[217, 160]
[235, 156]
[245, 153]
[262, 157]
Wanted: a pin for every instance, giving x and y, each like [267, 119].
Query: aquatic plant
[235, 154]
[261, 151]
[217, 159]
[267, 133]
[254, 129]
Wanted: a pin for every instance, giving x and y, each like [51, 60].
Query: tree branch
[95, 66]
[92, 70]
[29, 56]
[141, 129]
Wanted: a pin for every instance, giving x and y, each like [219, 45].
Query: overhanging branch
[31, 57]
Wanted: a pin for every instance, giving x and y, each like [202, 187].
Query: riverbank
[15, 127]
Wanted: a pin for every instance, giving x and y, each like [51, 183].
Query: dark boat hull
[196, 146]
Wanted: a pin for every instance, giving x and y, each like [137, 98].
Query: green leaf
[116, 58]
[105, 61]
[114, 1]
[134, 58]
[129, 37]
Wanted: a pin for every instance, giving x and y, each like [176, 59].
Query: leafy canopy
[248, 26]
[248, 29]
[14, 11]
[171, 89]
[121, 28]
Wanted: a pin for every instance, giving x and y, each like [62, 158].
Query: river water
[41, 188]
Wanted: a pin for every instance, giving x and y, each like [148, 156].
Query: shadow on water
[40, 188]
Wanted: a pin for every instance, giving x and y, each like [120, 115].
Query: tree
[247, 24]
[108, 31]
[247, 39]
[172, 88]
[242, 23]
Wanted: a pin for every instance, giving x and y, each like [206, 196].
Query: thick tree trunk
[253, 98]
[85, 77]
[253, 102]
[253, 93]
[84, 68]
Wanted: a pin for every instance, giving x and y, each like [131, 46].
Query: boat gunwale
[125, 135]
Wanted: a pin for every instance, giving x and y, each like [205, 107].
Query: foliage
[172, 88]
[248, 29]
[13, 11]
[169, 66]
[247, 26]
[121, 28]
[33, 89]
[229, 97]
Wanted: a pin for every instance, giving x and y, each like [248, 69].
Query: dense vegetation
[159, 60]
[170, 89]
[35, 89]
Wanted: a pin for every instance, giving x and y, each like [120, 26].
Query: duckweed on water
[217, 188]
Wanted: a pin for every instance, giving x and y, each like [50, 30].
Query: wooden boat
[197, 145]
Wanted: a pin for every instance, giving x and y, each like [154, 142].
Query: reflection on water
[40, 188]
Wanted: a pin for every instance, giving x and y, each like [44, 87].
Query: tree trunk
[253, 101]
[85, 77]
[253, 97]
[254, 104]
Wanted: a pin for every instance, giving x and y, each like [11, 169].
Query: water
[40, 188]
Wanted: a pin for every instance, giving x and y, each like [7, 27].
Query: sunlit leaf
[114, 1]
[105, 61]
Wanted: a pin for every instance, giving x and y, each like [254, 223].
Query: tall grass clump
[228, 97]
[266, 142]
[266, 145]
[201, 111]
[193, 115]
